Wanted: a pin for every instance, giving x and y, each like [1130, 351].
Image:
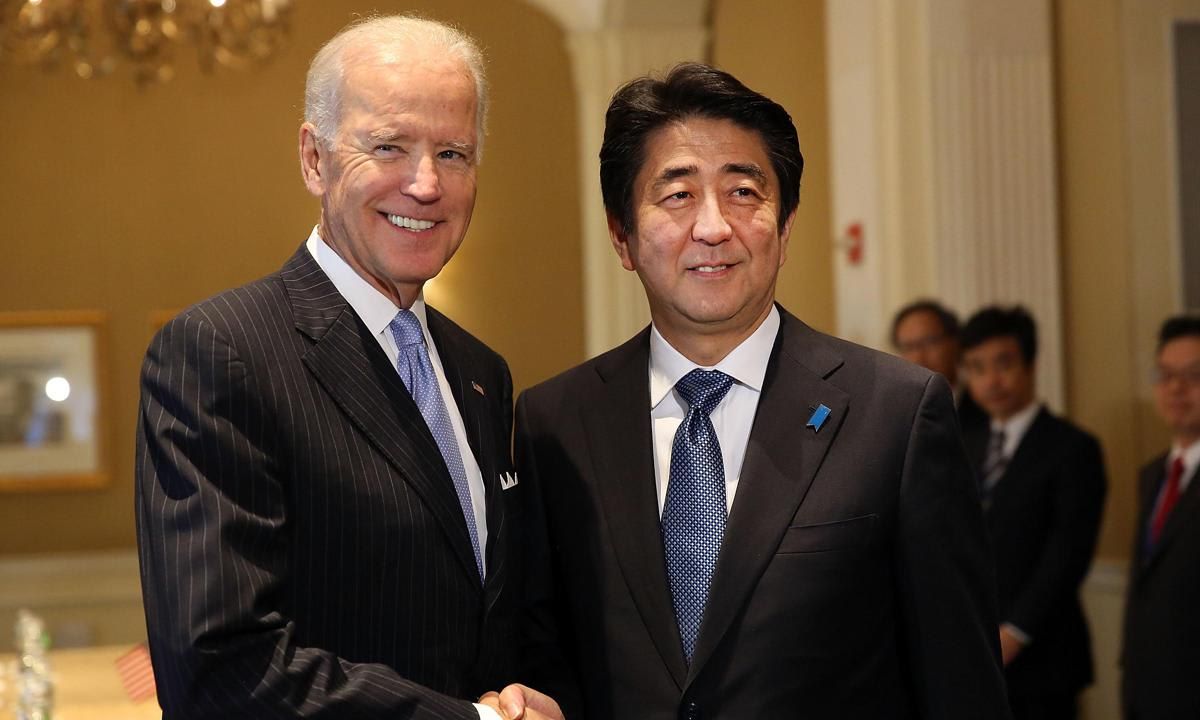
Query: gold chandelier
[95, 37]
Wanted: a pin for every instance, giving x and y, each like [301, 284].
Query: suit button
[690, 711]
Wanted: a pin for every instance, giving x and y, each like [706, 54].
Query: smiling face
[706, 245]
[397, 182]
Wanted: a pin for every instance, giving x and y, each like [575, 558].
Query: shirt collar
[375, 309]
[1190, 455]
[746, 363]
[1014, 427]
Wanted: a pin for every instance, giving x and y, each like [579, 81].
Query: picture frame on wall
[52, 398]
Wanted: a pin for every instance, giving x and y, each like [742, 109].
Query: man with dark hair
[1161, 653]
[1042, 485]
[732, 515]
[925, 332]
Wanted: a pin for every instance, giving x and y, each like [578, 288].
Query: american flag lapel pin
[478, 388]
[818, 418]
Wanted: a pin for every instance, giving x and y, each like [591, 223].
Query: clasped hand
[518, 702]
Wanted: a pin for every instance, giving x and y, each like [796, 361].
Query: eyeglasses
[1189, 376]
[920, 344]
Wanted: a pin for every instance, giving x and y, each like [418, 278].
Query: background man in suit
[322, 525]
[1042, 483]
[733, 515]
[1161, 655]
[925, 332]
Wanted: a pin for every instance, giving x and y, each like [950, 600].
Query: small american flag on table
[137, 674]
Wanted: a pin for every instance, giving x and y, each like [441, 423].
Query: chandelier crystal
[95, 37]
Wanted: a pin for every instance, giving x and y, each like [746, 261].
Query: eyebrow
[465, 148]
[750, 170]
[673, 173]
[384, 135]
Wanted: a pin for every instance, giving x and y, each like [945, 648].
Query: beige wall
[134, 201]
[779, 50]
[139, 200]
[1113, 303]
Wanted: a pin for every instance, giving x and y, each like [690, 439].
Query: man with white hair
[324, 488]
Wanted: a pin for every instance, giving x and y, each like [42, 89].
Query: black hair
[947, 319]
[995, 321]
[1178, 326]
[689, 90]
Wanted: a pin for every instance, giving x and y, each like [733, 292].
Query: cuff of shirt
[1013, 630]
[486, 713]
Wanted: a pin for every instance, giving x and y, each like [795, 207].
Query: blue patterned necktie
[417, 373]
[693, 520]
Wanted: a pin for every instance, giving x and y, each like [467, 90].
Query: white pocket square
[508, 481]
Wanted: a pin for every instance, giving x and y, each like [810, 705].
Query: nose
[425, 184]
[711, 227]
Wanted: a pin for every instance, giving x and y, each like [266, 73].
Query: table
[87, 686]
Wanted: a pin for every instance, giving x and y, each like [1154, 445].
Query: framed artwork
[51, 401]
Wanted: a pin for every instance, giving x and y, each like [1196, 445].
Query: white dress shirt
[376, 310]
[1014, 429]
[733, 416]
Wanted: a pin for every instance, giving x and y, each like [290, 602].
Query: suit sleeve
[545, 665]
[213, 532]
[1078, 497]
[944, 572]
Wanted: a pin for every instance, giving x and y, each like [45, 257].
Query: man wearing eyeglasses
[925, 332]
[1161, 653]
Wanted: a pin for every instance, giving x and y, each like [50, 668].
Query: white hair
[399, 33]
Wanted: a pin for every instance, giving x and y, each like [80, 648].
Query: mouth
[408, 223]
[711, 270]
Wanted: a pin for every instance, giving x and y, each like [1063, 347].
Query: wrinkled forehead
[437, 87]
[367, 69]
[705, 138]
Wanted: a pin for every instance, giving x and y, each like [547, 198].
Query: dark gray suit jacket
[1161, 649]
[303, 552]
[854, 580]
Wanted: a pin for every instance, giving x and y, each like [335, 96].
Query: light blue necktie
[417, 373]
[693, 520]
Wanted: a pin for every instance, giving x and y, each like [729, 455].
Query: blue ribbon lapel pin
[818, 418]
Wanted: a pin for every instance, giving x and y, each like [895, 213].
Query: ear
[620, 242]
[785, 236]
[311, 156]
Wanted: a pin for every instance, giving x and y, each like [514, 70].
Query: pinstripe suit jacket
[303, 552]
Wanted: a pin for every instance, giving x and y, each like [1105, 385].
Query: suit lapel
[461, 367]
[782, 458]
[352, 368]
[617, 417]
[1186, 508]
[1029, 453]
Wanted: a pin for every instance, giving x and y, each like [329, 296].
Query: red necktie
[1169, 498]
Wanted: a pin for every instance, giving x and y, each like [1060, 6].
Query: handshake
[518, 702]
